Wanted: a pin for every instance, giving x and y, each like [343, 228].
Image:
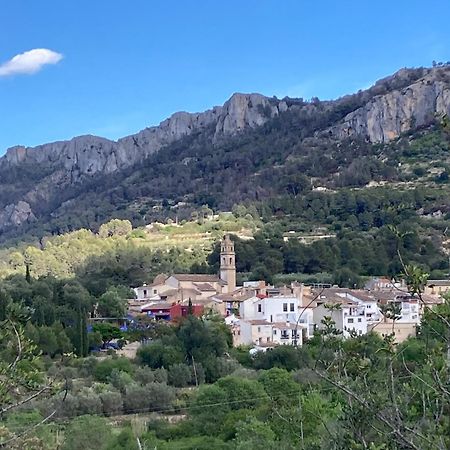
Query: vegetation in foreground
[188, 389]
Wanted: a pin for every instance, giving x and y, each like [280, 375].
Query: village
[263, 316]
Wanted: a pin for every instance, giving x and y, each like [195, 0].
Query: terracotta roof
[204, 287]
[169, 293]
[438, 283]
[196, 277]
[200, 301]
[233, 298]
[158, 306]
[256, 322]
[160, 278]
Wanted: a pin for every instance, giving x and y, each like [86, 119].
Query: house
[263, 333]
[169, 312]
[348, 315]
[407, 305]
[203, 285]
[286, 333]
[270, 309]
[437, 287]
[233, 301]
[401, 330]
[203, 290]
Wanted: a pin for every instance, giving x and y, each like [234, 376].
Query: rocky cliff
[394, 105]
[87, 156]
[90, 155]
[386, 117]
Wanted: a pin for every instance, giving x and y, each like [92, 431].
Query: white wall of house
[255, 334]
[410, 312]
[272, 309]
[354, 319]
[371, 310]
[146, 292]
[306, 319]
[346, 319]
[286, 335]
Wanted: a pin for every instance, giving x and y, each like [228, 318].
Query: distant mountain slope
[250, 148]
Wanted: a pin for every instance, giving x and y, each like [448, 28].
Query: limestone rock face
[16, 214]
[385, 117]
[396, 104]
[246, 110]
[179, 125]
[90, 155]
[70, 162]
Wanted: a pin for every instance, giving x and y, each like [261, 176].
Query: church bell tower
[228, 263]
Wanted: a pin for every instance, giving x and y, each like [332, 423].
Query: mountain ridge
[51, 173]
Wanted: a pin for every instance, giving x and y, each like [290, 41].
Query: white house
[263, 333]
[348, 316]
[270, 309]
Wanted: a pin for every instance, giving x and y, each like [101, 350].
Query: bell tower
[228, 263]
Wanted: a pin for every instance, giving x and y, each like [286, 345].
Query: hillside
[251, 149]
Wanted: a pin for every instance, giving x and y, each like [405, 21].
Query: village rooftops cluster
[265, 316]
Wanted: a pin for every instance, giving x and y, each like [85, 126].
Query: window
[145, 292]
[271, 318]
[274, 331]
[359, 319]
[259, 329]
[259, 307]
[155, 291]
[292, 307]
[360, 332]
[285, 307]
[350, 320]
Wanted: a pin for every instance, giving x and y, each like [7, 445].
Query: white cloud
[29, 62]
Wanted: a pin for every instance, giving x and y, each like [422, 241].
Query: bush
[153, 396]
[88, 402]
[180, 375]
[144, 375]
[120, 379]
[161, 375]
[157, 355]
[111, 403]
[160, 396]
[86, 432]
[104, 368]
[135, 399]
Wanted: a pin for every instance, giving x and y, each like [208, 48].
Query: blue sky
[129, 64]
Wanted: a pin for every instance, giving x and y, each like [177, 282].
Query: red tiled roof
[204, 287]
[196, 278]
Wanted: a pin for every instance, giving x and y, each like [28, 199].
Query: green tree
[112, 303]
[87, 433]
[107, 331]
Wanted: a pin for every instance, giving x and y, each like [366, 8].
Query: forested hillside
[273, 153]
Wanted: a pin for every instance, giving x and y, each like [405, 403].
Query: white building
[262, 333]
[270, 309]
[349, 317]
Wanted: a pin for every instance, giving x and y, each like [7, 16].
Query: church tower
[228, 263]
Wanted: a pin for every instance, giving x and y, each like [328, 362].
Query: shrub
[180, 375]
[104, 368]
[111, 403]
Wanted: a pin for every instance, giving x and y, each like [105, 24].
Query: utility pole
[195, 371]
